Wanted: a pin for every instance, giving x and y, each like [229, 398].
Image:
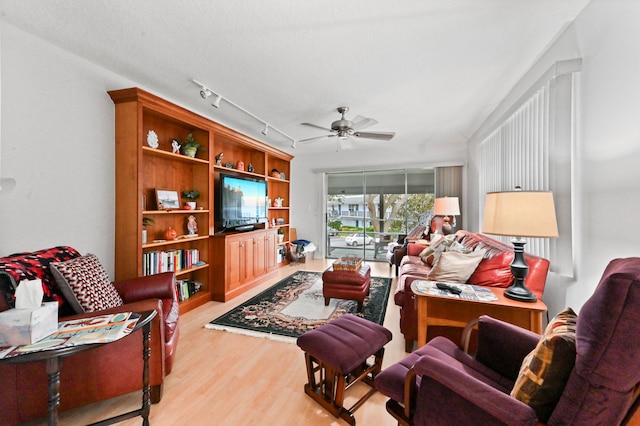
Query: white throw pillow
[455, 267]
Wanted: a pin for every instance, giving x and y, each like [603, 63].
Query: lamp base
[521, 294]
[519, 268]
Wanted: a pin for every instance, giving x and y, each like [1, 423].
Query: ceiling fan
[345, 129]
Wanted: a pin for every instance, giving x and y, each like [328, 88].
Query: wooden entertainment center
[224, 264]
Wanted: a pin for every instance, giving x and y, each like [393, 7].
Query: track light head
[205, 93]
[216, 101]
[266, 129]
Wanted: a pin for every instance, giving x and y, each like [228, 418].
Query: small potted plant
[191, 196]
[280, 235]
[146, 221]
[191, 146]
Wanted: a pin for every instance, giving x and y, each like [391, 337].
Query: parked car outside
[358, 239]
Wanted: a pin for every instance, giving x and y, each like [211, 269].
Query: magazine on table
[467, 291]
[82, 331]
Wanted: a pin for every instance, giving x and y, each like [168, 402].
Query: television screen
[243, 202]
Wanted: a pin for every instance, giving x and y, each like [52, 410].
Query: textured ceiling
[430, 70]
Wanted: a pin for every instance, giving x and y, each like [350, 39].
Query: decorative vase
[190, 151]
[191, 205]
[144, 236]
[170, 234]
[280, 238]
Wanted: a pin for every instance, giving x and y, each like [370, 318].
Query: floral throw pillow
[85, 284]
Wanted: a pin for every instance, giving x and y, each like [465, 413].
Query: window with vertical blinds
[516, 154]
[526, 148]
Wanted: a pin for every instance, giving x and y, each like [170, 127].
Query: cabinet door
[271, 250]
[234, 263]
[246, 258]
[259, 260]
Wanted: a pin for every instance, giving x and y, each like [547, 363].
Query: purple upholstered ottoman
[337, 356]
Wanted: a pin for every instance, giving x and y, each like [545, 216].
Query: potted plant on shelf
[191, 146]
[146, 221]
[191, 196]
[280, 235]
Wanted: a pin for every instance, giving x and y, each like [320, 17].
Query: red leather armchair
[112, 370]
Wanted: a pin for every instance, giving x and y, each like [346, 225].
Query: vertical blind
[516, 154]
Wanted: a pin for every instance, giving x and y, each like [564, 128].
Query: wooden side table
[454, 312]
[54, 357]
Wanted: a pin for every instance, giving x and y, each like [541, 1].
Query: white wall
[58, 145]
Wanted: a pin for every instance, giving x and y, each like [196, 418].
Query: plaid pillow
[545, 371]
[85, 284]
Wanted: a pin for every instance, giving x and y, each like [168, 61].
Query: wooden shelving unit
[142, 169]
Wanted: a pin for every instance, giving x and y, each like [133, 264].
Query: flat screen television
[241, 203]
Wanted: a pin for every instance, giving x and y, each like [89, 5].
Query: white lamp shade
[446, 206]
[520, 214]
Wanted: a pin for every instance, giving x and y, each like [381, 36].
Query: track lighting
[205, 92]
[216, 101]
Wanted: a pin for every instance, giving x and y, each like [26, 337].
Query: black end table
[54, 357]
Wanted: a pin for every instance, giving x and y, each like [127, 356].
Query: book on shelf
[187, 288]
[155, 262]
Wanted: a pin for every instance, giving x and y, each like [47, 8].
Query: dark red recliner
[440, 384]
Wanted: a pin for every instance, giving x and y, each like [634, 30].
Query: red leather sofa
[106, 372]
[494, 270]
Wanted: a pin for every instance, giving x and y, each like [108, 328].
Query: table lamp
[520, 214]
[445, 207]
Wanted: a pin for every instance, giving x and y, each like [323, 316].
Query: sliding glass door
[368, 210]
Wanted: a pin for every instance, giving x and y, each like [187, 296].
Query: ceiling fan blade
[317, 138]
[384, 136]
[316, 126]
[361, 122]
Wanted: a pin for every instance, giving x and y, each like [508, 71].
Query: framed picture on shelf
[167, 199]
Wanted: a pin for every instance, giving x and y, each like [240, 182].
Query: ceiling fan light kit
[346, 129]
[205, 93]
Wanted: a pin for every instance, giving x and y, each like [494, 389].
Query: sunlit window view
[368, 211]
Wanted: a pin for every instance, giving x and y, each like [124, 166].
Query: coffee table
[454, 312]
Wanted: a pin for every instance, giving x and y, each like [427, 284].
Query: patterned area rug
[295, 305]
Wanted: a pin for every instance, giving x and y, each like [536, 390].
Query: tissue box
[27, 326]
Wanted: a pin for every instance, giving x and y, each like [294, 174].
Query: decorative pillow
[546, 370]
[454, 266]
[494, 271]
[85, 284]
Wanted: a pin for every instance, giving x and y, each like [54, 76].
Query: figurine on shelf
[278, 202]
[250, 168]
[240, 166]
[219, 158]
[192, 225]
[175, 146]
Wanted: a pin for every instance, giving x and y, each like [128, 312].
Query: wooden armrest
[466, 334]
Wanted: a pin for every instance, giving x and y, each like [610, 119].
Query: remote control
[449, 288]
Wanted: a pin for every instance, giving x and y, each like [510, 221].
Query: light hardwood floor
[223, 378]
